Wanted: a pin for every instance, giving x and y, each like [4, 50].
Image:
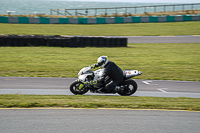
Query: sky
[149, 1]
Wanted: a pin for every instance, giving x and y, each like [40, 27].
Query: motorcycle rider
[111, 70]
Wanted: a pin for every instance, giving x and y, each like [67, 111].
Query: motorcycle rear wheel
[78, 88]
[129, 88]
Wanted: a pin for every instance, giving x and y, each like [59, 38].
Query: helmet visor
[100, 63]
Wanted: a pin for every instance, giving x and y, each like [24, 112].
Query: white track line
[163, 90]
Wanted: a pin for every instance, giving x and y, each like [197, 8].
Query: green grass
[156, 61]
[132, 29]
[78, 101]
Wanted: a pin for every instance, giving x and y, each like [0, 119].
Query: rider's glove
[93, 66]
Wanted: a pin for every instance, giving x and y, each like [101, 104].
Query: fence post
[135, 10]
[86, 11]
[95, 11]
[57, 11]
[174, 7]
[164, 8]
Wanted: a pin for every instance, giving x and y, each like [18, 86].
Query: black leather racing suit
[115, 73]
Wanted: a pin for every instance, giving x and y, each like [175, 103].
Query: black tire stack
[61, 41]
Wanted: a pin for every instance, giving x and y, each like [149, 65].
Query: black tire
[129, 88]
[74, 88]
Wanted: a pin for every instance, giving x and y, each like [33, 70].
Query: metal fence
[124, 10]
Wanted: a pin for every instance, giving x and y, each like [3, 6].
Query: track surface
[60, 86]
[97, 121]
[163, 39]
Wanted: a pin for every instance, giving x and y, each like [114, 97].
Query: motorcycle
[87, 80]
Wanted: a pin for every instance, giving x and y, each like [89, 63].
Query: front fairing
[85, 70]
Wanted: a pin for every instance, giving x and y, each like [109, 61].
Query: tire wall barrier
[103, 20]
[61, 41]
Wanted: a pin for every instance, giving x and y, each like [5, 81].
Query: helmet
[102, 61]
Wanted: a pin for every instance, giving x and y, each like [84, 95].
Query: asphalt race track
[164, 39]
[98, 121]
[60, 86]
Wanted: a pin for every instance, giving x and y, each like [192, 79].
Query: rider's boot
[117, 89]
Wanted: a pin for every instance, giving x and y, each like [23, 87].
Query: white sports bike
[87, 80]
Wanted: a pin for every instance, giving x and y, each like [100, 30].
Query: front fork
[81, 84]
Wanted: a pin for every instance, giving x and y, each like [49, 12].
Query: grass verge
[131, 29]
[82, 101]
[156, 61]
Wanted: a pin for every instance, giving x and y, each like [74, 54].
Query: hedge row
[61, 41]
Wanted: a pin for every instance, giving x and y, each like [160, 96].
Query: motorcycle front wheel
[78, 88]
[129, 87]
